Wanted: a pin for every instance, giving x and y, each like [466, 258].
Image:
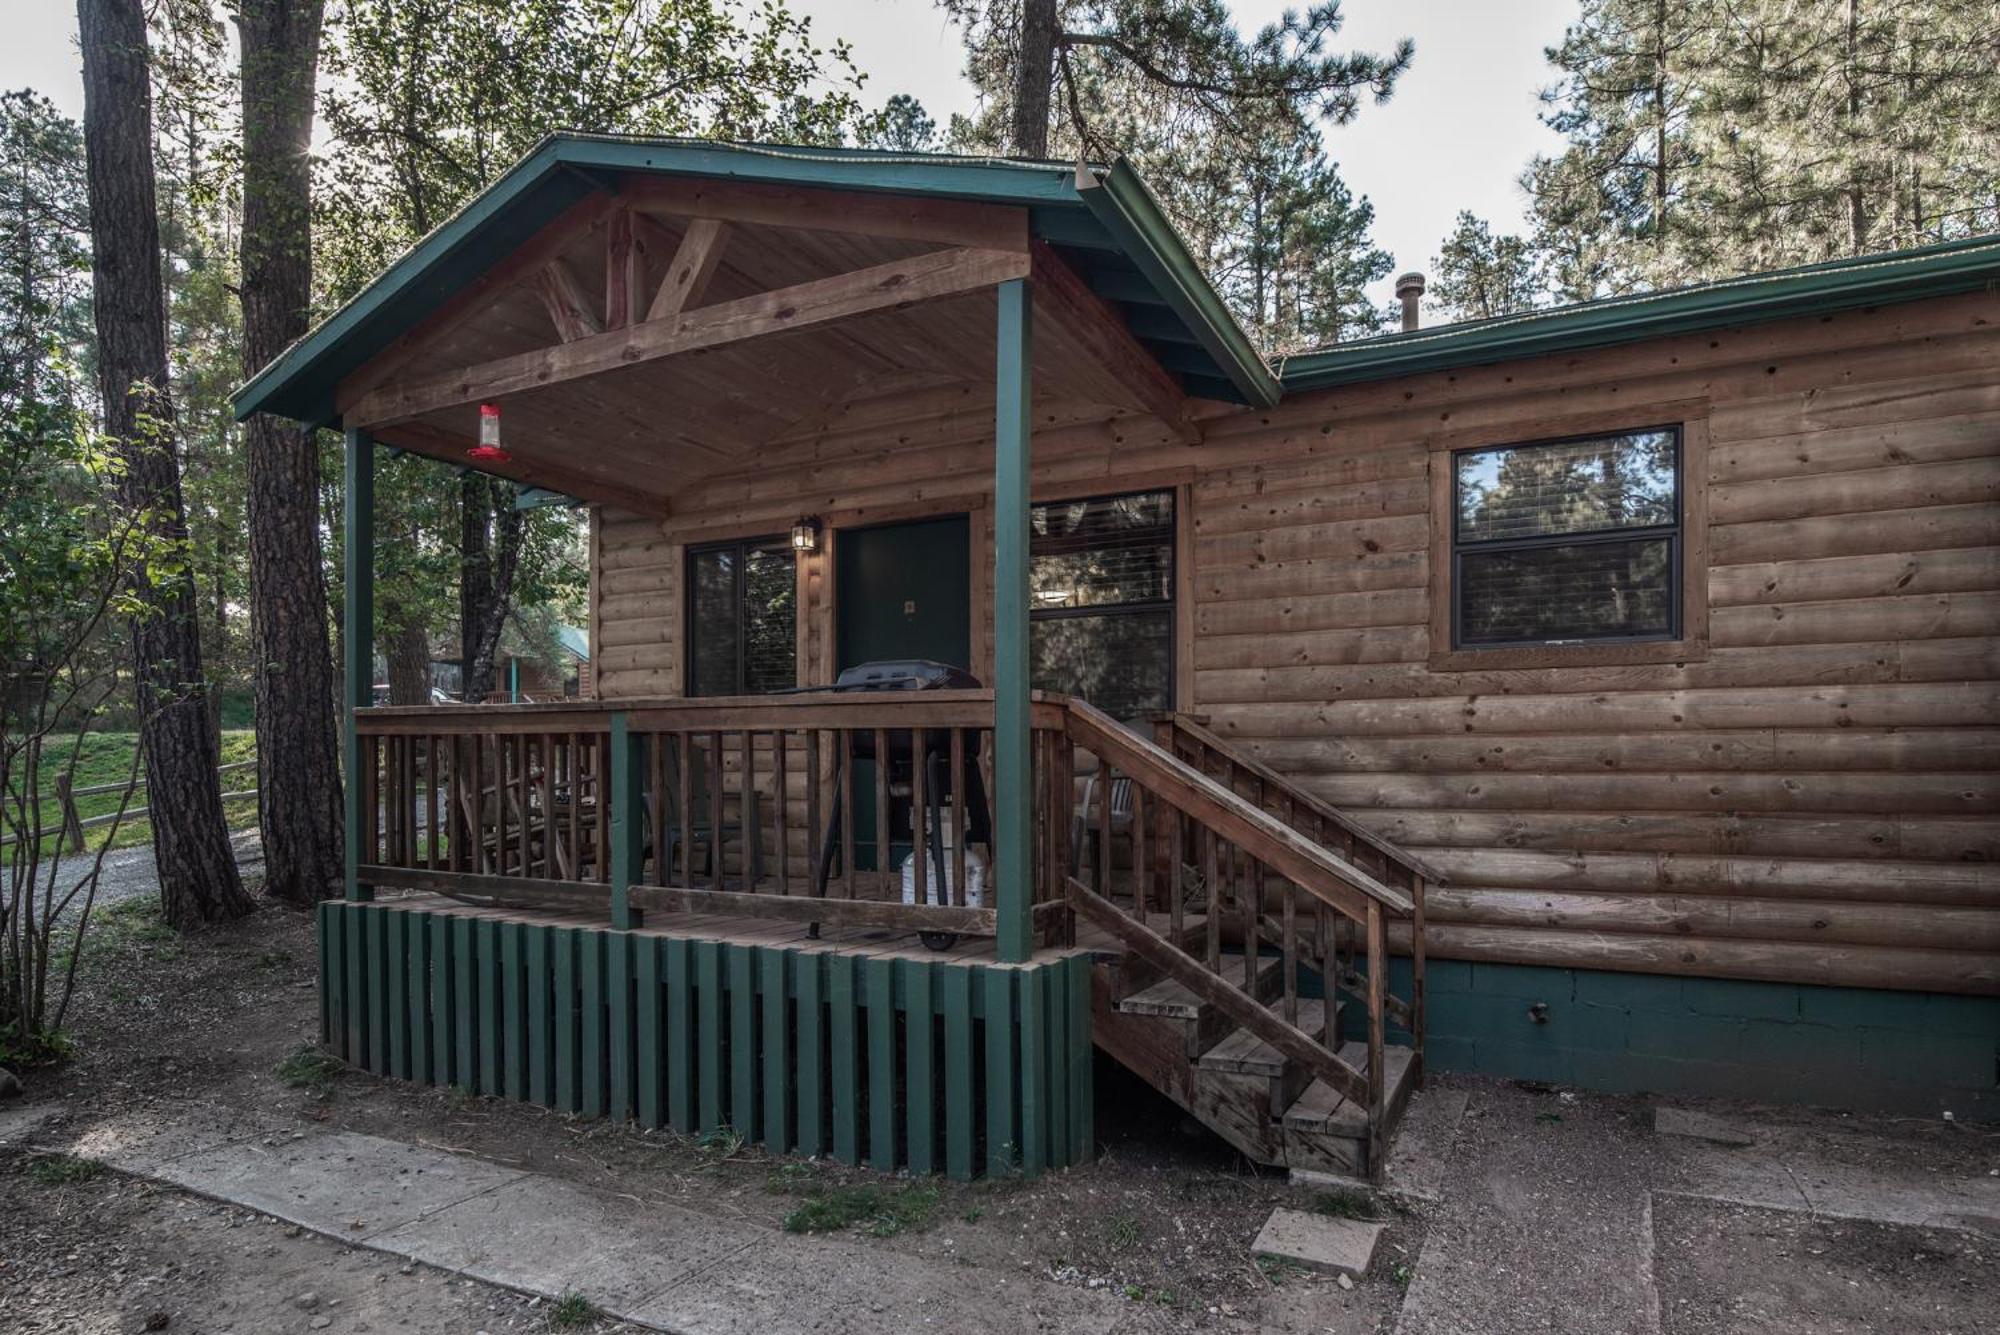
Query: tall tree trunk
[487, 572]
[409, 660]
[298, 749]
[1034, 78]
[196, 867]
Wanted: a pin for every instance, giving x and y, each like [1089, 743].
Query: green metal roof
[1944, 269]
[1107, 223]
[1104, 222]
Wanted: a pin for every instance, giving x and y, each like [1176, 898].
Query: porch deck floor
[880, 942]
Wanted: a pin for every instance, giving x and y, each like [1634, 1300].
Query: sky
[1457, 133]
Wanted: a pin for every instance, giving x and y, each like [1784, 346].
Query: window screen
[742, 618]
[1569, 540]
[1101, 573]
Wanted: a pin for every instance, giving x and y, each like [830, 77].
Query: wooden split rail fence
[73, 823]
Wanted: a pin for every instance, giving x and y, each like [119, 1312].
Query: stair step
[1325, 1110]
[1247, 1054]
[1176, 1001]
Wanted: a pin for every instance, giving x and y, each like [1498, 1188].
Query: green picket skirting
[898, 1062]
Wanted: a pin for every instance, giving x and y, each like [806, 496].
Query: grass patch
[572, 1311]
[107, 758]
[885, 1211]
[724, 1141]
[1278, 1269]
[1340, 1204]
[311, 1068]
[132, 926]
[1124, 1231]
[63, 1170]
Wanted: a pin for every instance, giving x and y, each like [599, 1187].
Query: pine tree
[1225, 127]
[1476, 275]
[1710, 138]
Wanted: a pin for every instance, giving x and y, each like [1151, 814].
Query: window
[1568, 541]
[1101, 574]
[742, 617]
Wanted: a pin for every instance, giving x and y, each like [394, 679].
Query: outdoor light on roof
[488, 449]
[805, 534]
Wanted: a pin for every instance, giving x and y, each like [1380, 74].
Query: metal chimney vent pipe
[1410, 291]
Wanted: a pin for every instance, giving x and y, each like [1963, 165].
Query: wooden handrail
[1308, 865]
[1293, 793]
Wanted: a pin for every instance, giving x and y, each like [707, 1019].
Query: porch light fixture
[805, 533]
[488, 449]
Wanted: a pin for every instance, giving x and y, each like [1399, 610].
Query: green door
[900, 591]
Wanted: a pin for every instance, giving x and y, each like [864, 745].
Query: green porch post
[1013, 772]
[628, 834]
[360, 637]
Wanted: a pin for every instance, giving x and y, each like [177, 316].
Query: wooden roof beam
[1093, 324]
[950, 222]
[569, 308]
[881, 287]
[694, 263]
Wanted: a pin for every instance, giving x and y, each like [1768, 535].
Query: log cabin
[1000, 667]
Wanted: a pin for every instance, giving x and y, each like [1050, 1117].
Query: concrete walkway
[658, 1266]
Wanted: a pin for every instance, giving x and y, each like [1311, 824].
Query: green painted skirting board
[1919, 1053]
[895, 1062]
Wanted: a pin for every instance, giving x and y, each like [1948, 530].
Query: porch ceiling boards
[633, 417]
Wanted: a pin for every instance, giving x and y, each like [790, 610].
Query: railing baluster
[1291, 954]
[1417, 888]
[750, 832]
[656, 805]
[957, 763]
[684, 766]
[718, 779]
[815, 833]
[843, 742]
[1378, 960]
[781, 802]
[920, 865]
[1138, 844]
[885, 856]
[1212, 879]
[1176, 871]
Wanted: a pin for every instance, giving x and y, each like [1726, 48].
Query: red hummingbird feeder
[488, 450]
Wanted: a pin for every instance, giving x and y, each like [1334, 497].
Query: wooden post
[72, 824]
[359, 669]
[1417, 888]
[1013, 772]
[628, 832]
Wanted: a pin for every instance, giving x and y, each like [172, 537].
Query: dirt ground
[1730, 1270]
[1164, 1217]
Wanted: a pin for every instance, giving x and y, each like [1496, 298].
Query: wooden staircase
[1245, 934]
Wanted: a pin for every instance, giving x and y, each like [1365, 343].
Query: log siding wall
[1805, 795]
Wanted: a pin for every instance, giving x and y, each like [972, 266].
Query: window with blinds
[1568, 541]
[1101, 624]
[742, 617]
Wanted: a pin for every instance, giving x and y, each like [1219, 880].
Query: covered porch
[834, 920]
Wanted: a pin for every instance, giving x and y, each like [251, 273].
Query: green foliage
[1710, 138]
[886, 1211]
[1226, 127]
[64, 1170]
[1476, 275]
[1343, 1204]
[572, 1311]
[311, 1068]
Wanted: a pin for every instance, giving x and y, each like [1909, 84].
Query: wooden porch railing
[782, 806]
[1219, 848]
[766, 806]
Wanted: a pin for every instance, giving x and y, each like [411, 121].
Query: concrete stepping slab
[543, 1235]
[347, 1185]
[1320, 1242]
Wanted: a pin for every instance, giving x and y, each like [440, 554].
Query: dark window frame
[1170, 530]
[1674, 533]
[742, 547]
